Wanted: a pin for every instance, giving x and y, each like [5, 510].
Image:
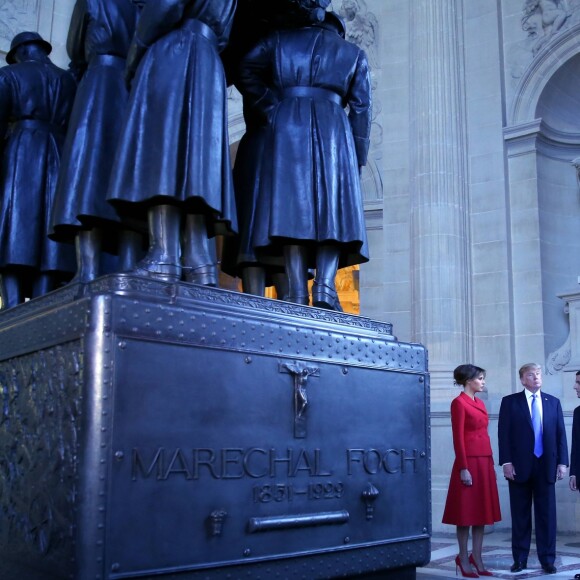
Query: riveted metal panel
[211, 434]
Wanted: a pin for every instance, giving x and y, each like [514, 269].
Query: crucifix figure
[301, 372]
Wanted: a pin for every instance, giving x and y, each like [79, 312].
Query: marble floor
[498, 558]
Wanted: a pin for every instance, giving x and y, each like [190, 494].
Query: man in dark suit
[575, 455]
[534, 453]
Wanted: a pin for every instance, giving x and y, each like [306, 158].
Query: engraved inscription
[373, 461]
[227, 463]
[196, 463]
[282, 492]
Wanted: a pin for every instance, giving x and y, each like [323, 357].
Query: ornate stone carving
[362, 29]
[16, 16]
[543, 19]
[576, 163]
[567, 357]
[40, 395]
[558, 359]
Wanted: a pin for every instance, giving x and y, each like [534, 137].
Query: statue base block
[157, 430]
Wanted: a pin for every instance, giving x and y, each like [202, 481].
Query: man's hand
[508, 471]
[561, 471]
[572, 483]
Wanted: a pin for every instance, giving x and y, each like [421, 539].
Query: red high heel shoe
[463, 572]
[483, 572]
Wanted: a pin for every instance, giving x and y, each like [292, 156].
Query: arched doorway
[542, 139]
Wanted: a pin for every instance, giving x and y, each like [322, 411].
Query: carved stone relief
[576, 163]
[558, 359]
[542, 21]
[16, 16]
[362, 29]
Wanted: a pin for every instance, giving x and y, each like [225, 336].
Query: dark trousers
[542, 494]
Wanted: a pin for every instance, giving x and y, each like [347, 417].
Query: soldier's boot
[130, 249]
[199, 264]
[324, 294]
[297, 272]
[162, 261]
[88, 254]
[10, 289]
[254, 280]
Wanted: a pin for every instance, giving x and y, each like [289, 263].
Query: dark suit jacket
[516, 436]
[575, 455]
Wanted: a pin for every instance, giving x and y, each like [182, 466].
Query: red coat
[478, 504]
[469, 422]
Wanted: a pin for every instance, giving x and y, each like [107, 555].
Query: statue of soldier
[309, 207]
[36, 98]
[99, 37]
[173, 162]
[253, 20]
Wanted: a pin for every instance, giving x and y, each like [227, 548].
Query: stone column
[440, 265]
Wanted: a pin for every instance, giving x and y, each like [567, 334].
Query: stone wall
[49, 17]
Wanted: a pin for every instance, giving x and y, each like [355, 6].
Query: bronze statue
[309, 206]
[238, 257]
[99, 37]
[36, 98]
[173, 161]
[254, 19]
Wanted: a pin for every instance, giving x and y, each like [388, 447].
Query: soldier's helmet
[27, 37]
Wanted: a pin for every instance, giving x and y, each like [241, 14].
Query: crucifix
[300, 372]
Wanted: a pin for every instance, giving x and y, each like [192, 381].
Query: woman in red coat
[472, 499]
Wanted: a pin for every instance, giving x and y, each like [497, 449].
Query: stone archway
[542, 138]
[539, 73]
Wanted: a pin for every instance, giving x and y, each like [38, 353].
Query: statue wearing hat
[309, 207]
[36, 98]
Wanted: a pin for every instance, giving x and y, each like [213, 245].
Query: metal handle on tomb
[297, 521]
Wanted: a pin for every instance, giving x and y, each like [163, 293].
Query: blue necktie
[537, 424]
